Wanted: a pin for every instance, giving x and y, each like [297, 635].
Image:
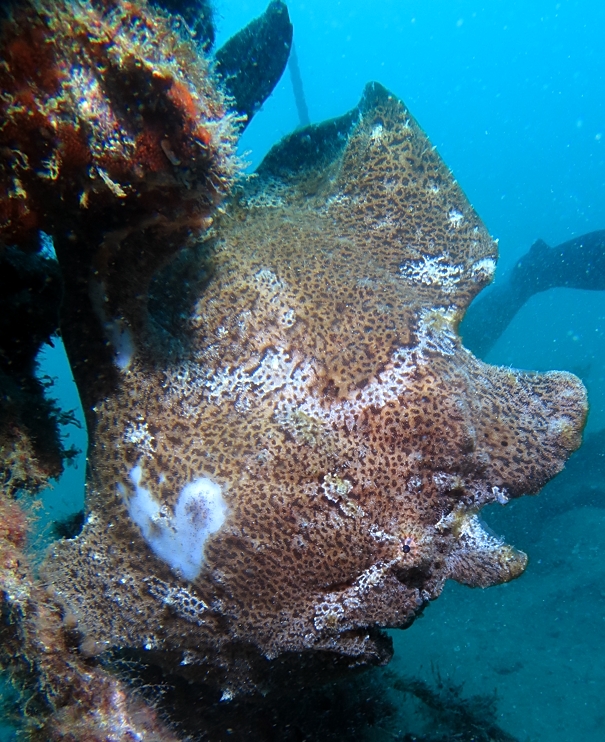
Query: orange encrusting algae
[94, 96]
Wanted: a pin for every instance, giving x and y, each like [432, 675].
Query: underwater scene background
[512, 94]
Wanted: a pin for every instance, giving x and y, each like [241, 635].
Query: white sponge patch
[178, 539]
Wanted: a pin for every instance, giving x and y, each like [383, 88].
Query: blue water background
[512, 94]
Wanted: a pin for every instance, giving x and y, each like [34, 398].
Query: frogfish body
[304, 461]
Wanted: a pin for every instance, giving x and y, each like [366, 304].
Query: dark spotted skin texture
[320, 382]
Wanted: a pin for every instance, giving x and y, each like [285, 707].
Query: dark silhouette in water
[575, 264]
[251, 62]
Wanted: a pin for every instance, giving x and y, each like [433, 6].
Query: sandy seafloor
[538, 642]
[512, 94]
